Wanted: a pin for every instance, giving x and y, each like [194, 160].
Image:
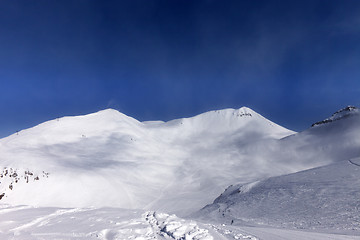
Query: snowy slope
[110, 159]
[319, 145]
[338, 138]
[323, 199]
[28, 223]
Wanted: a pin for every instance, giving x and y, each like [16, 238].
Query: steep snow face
[319, 199]
[110, 159]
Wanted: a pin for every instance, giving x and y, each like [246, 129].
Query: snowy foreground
[26, 223]
[108, 176]
[319, 199]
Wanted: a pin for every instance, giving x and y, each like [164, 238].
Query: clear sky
[294, 62]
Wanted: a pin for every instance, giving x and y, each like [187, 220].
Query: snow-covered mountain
[307, 180]
[110, 159]
[322, 198]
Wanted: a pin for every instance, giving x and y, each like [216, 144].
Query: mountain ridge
[110, 159]
[175, 165]
[115, 115]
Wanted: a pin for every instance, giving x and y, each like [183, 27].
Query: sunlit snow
[108, 176]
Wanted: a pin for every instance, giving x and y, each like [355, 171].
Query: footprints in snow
[107, 224]
[154, 226]
[172, 227]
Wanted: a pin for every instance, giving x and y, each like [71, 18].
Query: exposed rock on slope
[349, 111]
[10, 178]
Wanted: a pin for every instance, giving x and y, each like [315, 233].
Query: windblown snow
[91, 168]
[110, 159]
[325, 198]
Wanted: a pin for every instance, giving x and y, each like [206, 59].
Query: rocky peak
[341, 114]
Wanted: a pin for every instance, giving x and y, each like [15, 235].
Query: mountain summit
[110, 159]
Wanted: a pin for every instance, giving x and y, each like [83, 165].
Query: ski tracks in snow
[136, 229]
[41, 221]
[355, 161]
[103, 224]
[24, 223]
[231, 233]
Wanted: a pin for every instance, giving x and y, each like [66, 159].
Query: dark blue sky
[295, 62]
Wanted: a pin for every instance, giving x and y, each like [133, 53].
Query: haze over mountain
[109, 159]
[226, 174]
[321, 198]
